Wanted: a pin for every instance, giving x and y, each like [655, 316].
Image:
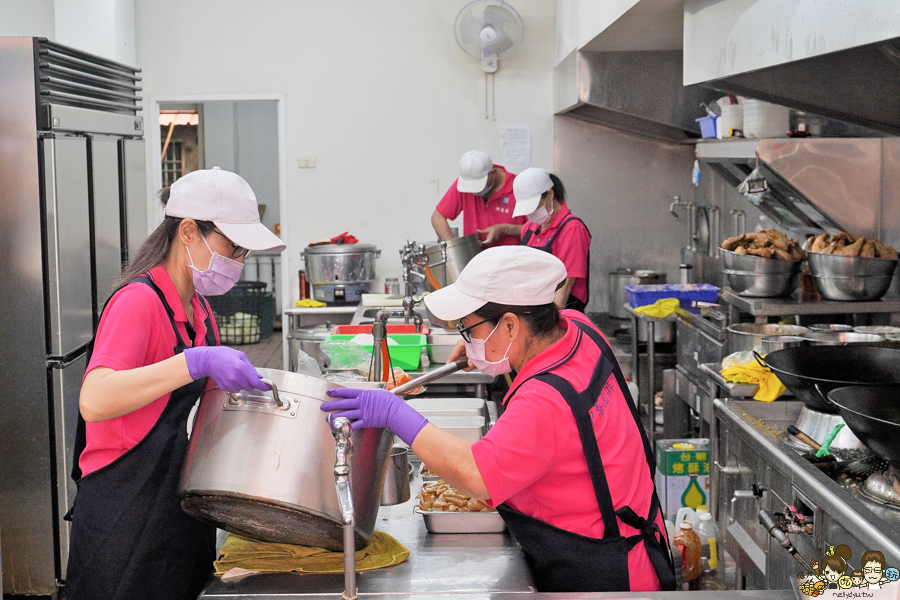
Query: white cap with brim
[513, 275]
[528, 187]
[474, 168]
[228, 201]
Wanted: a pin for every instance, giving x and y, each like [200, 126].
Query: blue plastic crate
[642, 295]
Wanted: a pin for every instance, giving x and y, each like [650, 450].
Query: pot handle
[824, 397]
[276, 401]
[759, 360]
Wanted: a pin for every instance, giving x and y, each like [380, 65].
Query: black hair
[156, 248]
[559, 190]
[541, 320]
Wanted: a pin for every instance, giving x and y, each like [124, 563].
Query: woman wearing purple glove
[567, 465]
[154, 354]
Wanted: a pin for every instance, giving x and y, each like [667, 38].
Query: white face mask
[219, 277]
[475, 351]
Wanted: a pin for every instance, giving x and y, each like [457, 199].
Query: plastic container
[239, 312]
[688, 543]
[708, 534]
[405, 354]
[732, 118]
[642, 295]
[707, 126]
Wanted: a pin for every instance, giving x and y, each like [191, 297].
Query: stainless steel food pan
[462, 522]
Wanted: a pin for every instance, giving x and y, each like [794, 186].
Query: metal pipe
[651, 380]
[767, 520]
[343, 448]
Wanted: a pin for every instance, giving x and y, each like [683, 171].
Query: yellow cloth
[661, 309]
[770, 388]
[308, 303]
[382, 551]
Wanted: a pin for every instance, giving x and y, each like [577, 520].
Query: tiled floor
[267, 353]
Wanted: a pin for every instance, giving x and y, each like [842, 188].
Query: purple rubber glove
[376, 408]
[229, 368]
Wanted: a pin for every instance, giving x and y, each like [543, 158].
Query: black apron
[129, 538]
[572, 302]
[562, 561]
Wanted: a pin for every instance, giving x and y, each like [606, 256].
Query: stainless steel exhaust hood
[816, 184]
[639, 93]
[857, 86]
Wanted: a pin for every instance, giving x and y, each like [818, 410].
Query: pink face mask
[475, 351]
[540, 216]
[219, 277]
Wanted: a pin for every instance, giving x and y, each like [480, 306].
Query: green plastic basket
[405, 354]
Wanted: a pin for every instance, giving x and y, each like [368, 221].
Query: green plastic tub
[405, 354]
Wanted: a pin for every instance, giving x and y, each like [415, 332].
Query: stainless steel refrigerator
[73, 206]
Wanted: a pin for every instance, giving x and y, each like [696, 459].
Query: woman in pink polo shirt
[567, 465]
[155, 352]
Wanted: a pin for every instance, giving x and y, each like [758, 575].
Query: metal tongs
[453, 367]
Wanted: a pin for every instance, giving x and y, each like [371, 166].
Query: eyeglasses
[464, 331]
[871, 570]
[237, 251]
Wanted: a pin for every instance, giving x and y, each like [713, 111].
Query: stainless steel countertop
[447, 566]
[437, 564]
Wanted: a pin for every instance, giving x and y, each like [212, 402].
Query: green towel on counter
[241, 553]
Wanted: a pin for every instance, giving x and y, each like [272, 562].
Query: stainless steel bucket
[459, 251]
[618, 297]
[396, 481]
[267, 472]
[748, 336]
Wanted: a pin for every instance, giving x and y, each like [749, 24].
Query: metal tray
[462, 522]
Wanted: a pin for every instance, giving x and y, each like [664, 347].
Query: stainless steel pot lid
[342, 249]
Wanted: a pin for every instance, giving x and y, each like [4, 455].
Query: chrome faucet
[677, 201]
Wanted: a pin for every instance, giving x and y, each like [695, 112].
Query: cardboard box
[682, 474]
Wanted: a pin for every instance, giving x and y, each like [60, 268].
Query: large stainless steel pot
[309, 339]
[447, 260]
[340, 264]
[618, 297]
[266, 472]
[748, 336]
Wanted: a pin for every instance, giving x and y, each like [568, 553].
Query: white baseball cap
[528, 187]
[514, 275]
[225, 199]
[474, 167]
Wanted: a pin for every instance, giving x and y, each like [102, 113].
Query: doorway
[242, 134]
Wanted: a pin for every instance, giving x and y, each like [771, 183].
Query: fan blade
[498, 16]
[468, 29]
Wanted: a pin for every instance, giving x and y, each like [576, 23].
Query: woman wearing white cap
[154, 354]
[567, 465]
[553, 228]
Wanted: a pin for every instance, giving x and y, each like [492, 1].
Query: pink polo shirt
[532, 458]
[135, 332]
[572, 246]
[478, 214]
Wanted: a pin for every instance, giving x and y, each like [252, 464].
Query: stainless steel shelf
[777, 307]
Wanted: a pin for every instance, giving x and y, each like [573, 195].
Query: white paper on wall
[516, 143]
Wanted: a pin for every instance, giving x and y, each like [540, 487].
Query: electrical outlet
[307, 162]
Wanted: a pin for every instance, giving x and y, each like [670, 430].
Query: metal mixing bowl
[851, 278]
[841, 338]
[747, 263]
[763, 285]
